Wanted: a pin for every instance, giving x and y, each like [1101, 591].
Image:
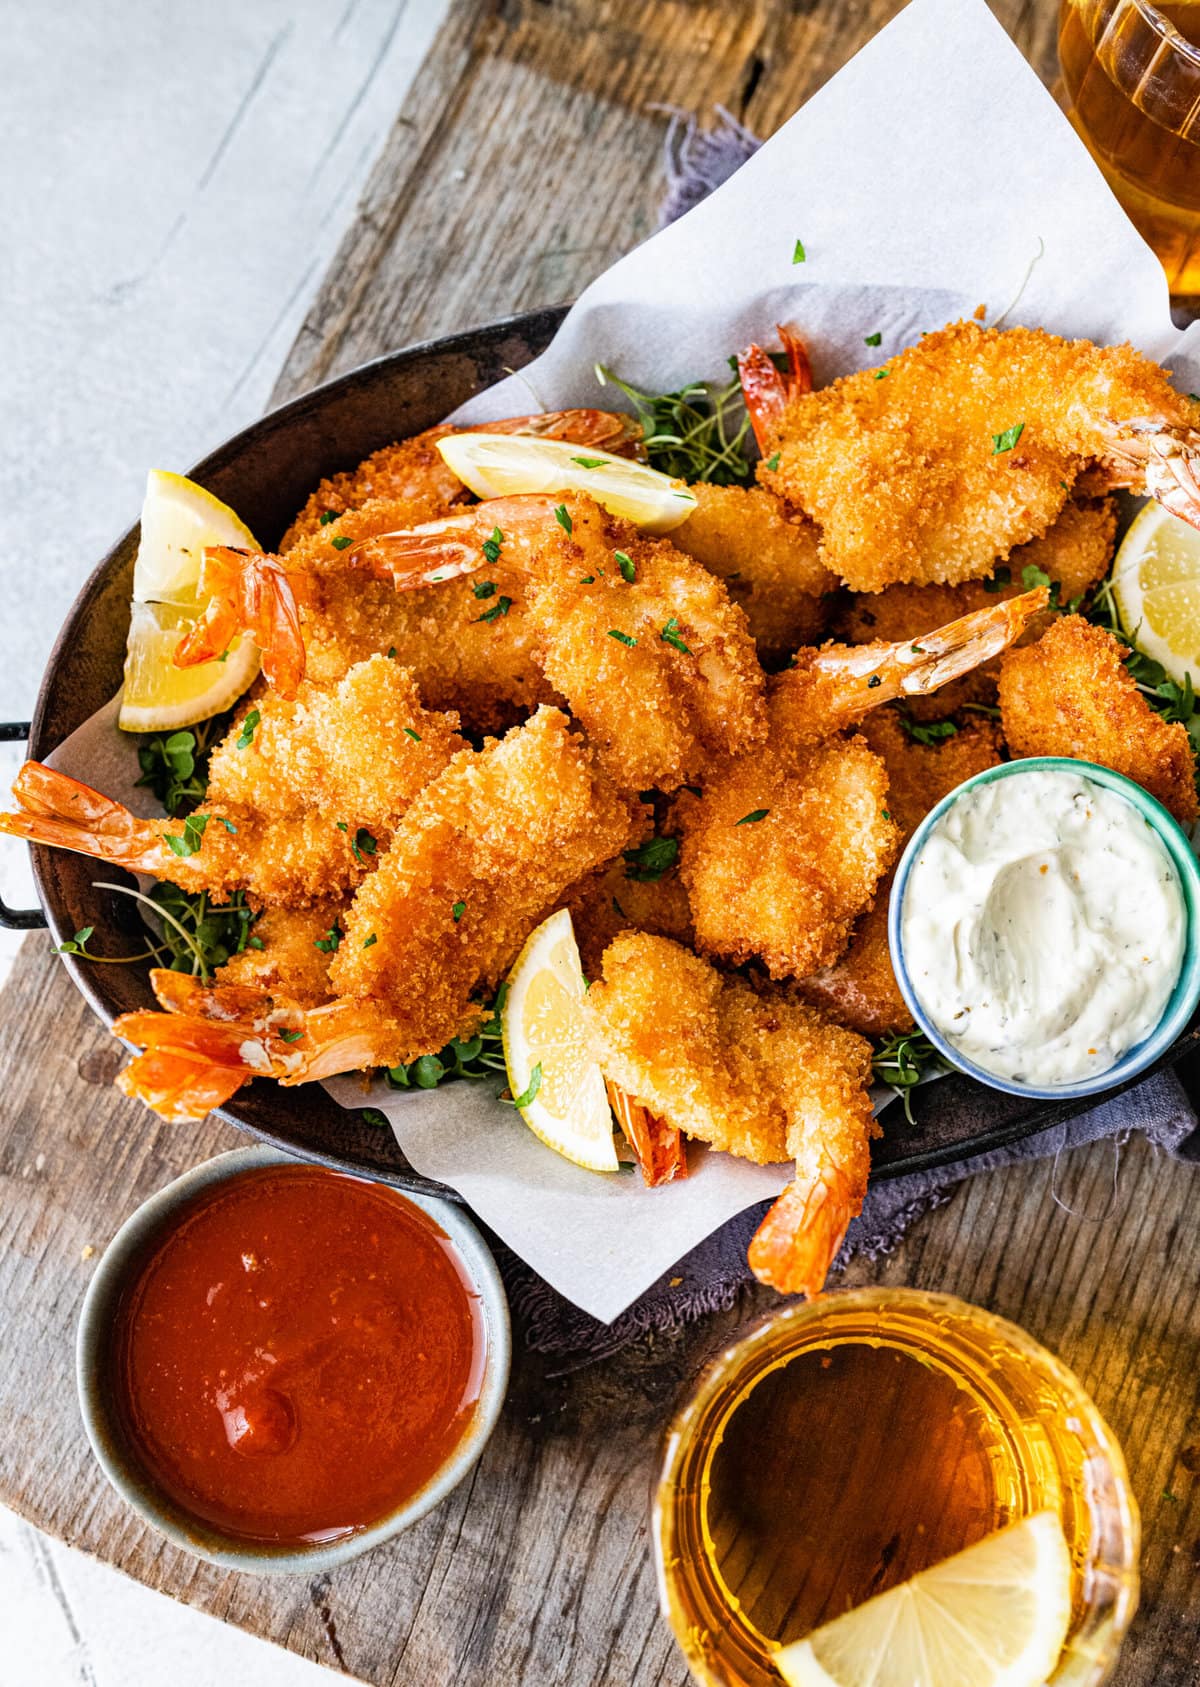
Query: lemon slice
[546, 1049]
[496, 465]
[179, 519]
[995, 1615]
[1156, 586]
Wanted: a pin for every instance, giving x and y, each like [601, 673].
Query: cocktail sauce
[297, 1355]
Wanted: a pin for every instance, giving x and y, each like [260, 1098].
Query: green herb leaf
[798, 253]
[484, 588]
[291, 1036]
[875, 339]
[1001, 577]
[590, 462]
[754, 816]
[535, 1083]
[491, 550]
[563, 517]
[902, 1060]
[699, 432]
[773, 461]
[329, 515]
[1006, 440]
[458, 910]
[880, 374]
[192, 836]
[928, 733]
[587, 580]
[409, 733]
[340, 543]
[228, 824]
[621, 638]
[501, 606]
[650, 860]
[427, 1072]
[625, 564]
[329, 943]
[671, 635]
[364, 844]
[372, 1116]
[369, 942]
[249, 726]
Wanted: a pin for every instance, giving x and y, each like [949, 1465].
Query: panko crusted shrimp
[1070, 694]
[750, 1070]
[612, 901]
[653, 659]
[935, 466]
[303, 794]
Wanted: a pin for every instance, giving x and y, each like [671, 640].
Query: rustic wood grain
[536, 1572]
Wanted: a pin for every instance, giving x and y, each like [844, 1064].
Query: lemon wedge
[179, 519]
[996, 1615]
[496, 465]
[558, 1087]
[1156, 587]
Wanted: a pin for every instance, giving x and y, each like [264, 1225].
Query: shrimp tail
[450, 547]
[66, 814]
[658, 1146]
[797, 1242]
[609, 430]
[1159, 460]
[248, 594]
[766, 390]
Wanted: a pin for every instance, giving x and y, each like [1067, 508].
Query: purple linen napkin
[696, 161]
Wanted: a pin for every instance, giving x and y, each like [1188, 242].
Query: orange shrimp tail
[609, 430]
[422, 556]
[797, 1241]
[1161, 461]
[659, 1147]
[766, 390]
[248, 594]
[65, 814]
[180, 1078]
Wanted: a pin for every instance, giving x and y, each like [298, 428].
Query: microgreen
[928, 733]
[175, 767]
[249, 726]
[535, 1083]
[562, 516]
[1006, 440]
[902, 1060]
[625, 564]
[467, 1057]
[621, 638]
[698, 432]
[340, 543]
[649, 861]
[198, 934]
[188, 843]
[671, 635]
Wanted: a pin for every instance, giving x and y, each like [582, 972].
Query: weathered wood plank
[536, 1571]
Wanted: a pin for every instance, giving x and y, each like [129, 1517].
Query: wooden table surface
[524, 162]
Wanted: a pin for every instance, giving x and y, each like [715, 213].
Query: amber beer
[1131, 83]
[845, 1445]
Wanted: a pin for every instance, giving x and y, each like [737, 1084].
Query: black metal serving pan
[265, 473]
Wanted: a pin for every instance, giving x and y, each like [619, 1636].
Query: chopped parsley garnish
[587, 580]
[798, 253]
[879, 374]
[192, 837]
[671, 635]
[328, 944]
[773, 461]
[501, 607]
[409, 733]
[625, 564]
[535, 1083]
[928, 733]
[291, 1036]
[248, 728]
[372, 1116]
[590, 462]
[887, 814]
[1001, 578]
[369, 941]
[391, 652]
[649, 861]
[754, 816]
[1006, 440]
[364, 844]
[562, 516]
[875, 339]
[458, 910]
[621, 638]
[329, 515]
[484, 588]
[340, 543]
[228, 824]
[491, 547]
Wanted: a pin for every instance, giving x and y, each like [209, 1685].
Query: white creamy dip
[1043, 927]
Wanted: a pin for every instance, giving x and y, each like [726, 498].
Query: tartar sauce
[1043, 927]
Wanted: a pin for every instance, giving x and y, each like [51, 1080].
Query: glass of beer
[1131, 83]
[846, 1444]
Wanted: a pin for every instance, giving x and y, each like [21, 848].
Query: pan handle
[18, 919]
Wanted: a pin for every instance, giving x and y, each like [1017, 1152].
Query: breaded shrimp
[968, 444]
[770, 565]
[1070, 694]
[784, 849]
[1074, 554]
[303, 794]
[860, 991]
[753, 1072]
[610, 901]
[653, 659]
[283, 959]
[415, 470]
[484, 854]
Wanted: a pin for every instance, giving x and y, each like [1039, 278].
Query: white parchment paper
[934, 174]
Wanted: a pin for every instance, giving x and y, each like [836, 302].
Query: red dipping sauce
[297, 1356]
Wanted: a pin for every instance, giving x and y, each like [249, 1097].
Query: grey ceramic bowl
[136, 1486]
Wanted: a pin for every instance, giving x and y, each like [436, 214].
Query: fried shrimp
[769, 562]
[1070, 694]
[611, 901]
[284, 959]
[751, 1071]
[860, 990]
[968, 444]
[303, 794]
[653, 659]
